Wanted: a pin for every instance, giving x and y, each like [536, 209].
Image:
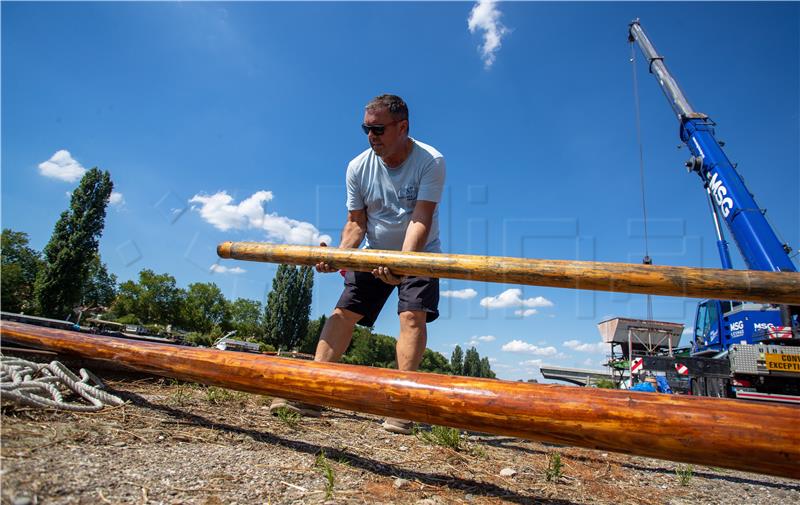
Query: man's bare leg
[336, 335]
[413, 339]
[333, 342]
[410, 347]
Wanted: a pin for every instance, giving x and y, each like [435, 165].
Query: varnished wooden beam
[749, 285]
[725, 433]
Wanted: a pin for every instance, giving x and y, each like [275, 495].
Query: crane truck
[738, 349]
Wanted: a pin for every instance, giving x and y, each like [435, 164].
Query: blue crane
[725, 329]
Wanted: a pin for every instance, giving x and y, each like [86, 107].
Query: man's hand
[324, 267]
[386, 275]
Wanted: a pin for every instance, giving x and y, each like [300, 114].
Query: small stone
[507, 472]
[469, 497]
[119, 444]
[400, 483]
[402, 448]
[605, 454]
[161, 437]
[22, 500]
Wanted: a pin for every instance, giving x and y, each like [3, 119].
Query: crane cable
[646, 260]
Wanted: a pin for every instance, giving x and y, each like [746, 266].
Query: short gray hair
[393, 103]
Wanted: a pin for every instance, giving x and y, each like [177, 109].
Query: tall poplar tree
[486, 369]
[288, 306]
[72, 246]
[472, 363]
[457, 361]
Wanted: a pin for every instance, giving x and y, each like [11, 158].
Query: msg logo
[720, 192]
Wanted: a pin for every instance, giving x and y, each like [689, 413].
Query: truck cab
[722, 323]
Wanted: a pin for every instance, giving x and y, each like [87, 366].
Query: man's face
[394, 135]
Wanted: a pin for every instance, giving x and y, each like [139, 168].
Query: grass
[324, 466]
[181, 395]
[218, 396]
[553, 472]
[478, 451]
[442, 435]
[685, 474]
[288, 417]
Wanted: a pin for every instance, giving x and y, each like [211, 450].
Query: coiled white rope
[39, 385]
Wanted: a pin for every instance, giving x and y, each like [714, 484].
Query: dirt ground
[177, 443]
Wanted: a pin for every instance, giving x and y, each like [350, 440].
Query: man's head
[386, 125]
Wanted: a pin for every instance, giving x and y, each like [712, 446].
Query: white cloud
[526, 312]
[486, 17]
[116, 199]
[531, 362]
[513, 298]
[476, 340]
[219, 269]
[583, 347]
[218, 210]
[62, 166]
[588, 362]
[463, 294]
[492, 360]
[526, 348]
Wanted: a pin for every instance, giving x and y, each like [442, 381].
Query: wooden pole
[749, 285]
[734, 434]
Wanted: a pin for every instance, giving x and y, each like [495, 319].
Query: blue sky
[195, 108]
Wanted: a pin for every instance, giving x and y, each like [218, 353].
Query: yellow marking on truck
[783, 362]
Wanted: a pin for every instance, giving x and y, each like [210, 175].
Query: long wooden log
[724, 433]
[750, 285]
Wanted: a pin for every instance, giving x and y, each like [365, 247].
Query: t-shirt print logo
[408, 192]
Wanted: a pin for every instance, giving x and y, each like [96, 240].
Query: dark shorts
[365, 294]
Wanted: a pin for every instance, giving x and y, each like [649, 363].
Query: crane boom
[757, 241]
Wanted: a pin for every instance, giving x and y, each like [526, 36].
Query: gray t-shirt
[390, 194]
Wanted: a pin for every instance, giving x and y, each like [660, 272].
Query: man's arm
[352, 234]
[354, 229]
[415, 240]
[419, 227]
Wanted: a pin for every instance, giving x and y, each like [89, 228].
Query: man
[393, 189]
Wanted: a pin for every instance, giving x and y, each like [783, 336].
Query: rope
[41, 385]
[646, 260]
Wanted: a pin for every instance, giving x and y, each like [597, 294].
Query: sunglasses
[376, 129]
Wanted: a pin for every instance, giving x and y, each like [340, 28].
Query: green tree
[245, 318]
[605, 384]
[127, 304]
[457, 361]
[486, 369]
[60, 284]
[155, 299]
[101, 287]
[20, 265]
[205, 308]
[309, 344]
[434, 362]
[371, 349]
[472, 363]
[288, 306]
